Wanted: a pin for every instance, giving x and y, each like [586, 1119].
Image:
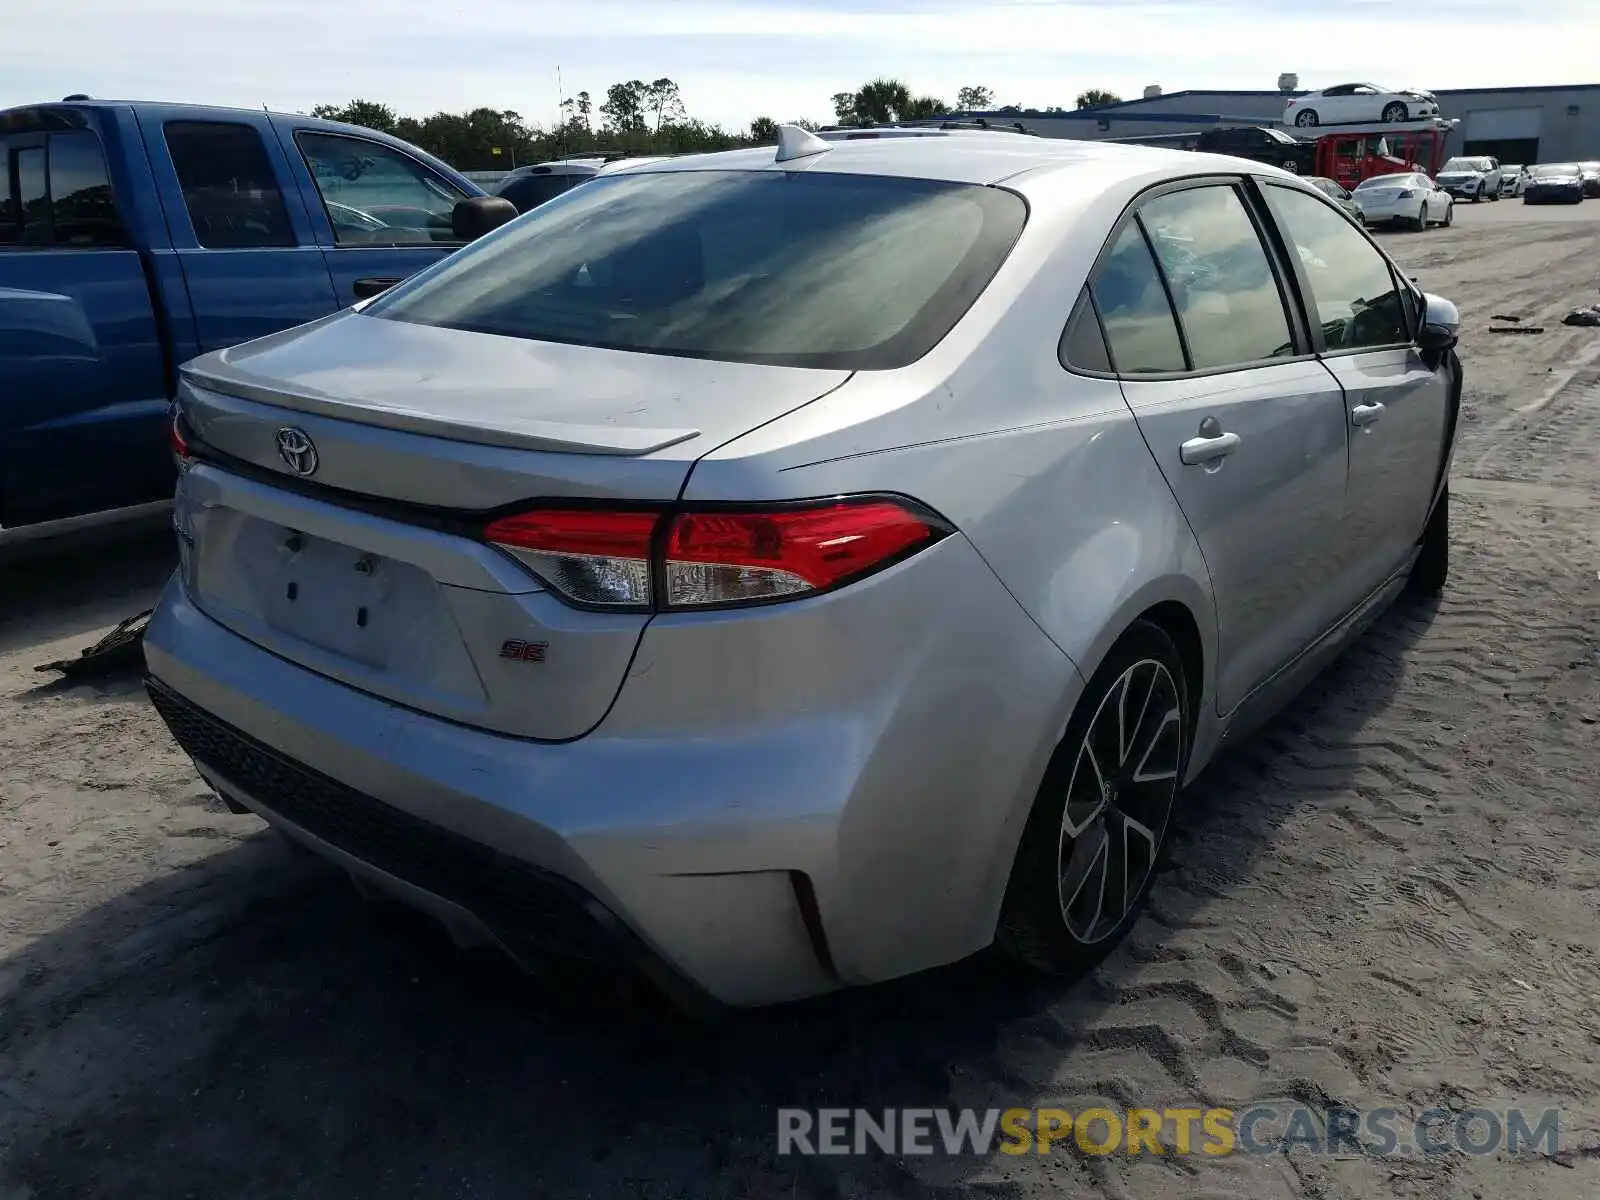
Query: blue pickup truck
[135, 236]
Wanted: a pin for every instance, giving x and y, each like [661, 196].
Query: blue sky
[735, 59]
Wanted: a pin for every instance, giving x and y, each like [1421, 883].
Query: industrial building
[1519, 125]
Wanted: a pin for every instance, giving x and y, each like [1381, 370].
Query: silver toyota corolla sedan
[778, 571]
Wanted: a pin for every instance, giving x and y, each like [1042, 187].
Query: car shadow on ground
[248, 1027]
[82, 586]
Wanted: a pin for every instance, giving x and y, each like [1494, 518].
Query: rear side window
[1084, 344]
[1358, 302]
[33, 193]
[1221, 280]
[835, 271]
[80, 192]
[229, 187]
[376, 195]
[530, 191]
[1133, 305]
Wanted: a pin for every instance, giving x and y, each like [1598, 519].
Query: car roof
[957, 156]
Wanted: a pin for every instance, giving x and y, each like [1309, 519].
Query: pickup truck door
[83, 380]
[239, 226]
[380, 213]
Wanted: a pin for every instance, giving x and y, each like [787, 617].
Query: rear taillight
[175, 435]
[590, 556]
[713, 558]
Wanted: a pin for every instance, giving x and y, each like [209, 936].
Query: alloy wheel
[1119, 800]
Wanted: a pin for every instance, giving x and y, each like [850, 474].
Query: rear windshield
[851, 272]
[1386, 181]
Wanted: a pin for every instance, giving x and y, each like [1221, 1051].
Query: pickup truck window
[228, 185]
[64, 192]
[27, 170]
[80, 192]
[377, 196]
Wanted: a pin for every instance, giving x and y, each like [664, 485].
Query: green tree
[624, 108]
[883, 102]
[367, 113]
[763, 131]
[663, 102]
[1097, 98]
[974, 99]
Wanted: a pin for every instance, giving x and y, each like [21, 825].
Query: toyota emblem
[297, 450]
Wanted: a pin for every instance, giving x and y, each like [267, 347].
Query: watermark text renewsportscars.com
[1205, 1132]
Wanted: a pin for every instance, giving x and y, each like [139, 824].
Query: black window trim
[1303, 280]
[1304, 333]
[323, 200]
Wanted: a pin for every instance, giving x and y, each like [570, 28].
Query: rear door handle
[1365, 414]
[1198, 451]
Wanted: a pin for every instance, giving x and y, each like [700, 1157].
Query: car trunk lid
[353, 545]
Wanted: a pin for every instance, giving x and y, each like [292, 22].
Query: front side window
[836, 271]
[1221, 280]
[1133, 304]
[229, 187]
[376, 195]
[1357, 300]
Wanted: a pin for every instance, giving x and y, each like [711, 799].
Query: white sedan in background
[1410, 199]
[1358, 104]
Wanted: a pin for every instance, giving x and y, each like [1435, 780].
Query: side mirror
[477, 215]
[1441, 328]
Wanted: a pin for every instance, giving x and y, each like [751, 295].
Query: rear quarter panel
[1044, 471]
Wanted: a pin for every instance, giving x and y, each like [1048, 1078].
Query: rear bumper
[820, 806]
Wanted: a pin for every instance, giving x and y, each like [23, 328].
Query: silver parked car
[778, 572]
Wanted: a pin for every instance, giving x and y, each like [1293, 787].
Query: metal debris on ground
[1516, 329]
[119, 650]
[1583, 316]
[1505, 317]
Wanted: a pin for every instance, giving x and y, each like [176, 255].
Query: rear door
[1397, 407]
[380, 213]
[83, 387]
[1247, 427]
[239, 226]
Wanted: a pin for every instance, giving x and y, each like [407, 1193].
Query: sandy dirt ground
[1389, 897]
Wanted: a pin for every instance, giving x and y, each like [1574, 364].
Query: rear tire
[1432, 568]
[1104, 811]
[1306, 118]
[1449, 214]
[1420, 221]
[1394, 112]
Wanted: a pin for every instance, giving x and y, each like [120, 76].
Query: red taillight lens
[590, 556]
[739, 557]
[175, 438]
[611, 559]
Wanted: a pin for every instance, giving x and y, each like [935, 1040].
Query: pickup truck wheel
[1432, 568]
[1101, 818]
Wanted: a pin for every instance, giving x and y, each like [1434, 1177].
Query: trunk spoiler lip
[552, 436]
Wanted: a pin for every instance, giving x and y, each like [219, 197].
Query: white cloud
[737, 59]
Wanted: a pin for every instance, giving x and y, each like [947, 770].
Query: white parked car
[1477, 177]
[1513, 179]
[1359, 103]
[1409, 199]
